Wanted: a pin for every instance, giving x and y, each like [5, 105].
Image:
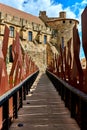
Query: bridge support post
[73, 105]
[83, 115]
[15, 111]
[62, 92]
[20, 98]
[6, 115]
[24, 91]
[68, 98]
[27, 87]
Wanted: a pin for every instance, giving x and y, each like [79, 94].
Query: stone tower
[62, 30]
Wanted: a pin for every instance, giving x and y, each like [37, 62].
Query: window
[54, 33]
[62, 42]
[45, 39]
[10, 54]
[70, 21]
[63, 21]
[30, 36]
[11, 31]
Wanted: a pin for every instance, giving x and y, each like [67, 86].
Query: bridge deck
[44, 110]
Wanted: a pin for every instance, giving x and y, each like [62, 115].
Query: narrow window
[10, 54]
[30, 36]
[62, 42]
[11, 31]
[45, 39]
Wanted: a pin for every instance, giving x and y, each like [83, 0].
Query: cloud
[70, 13]
[52, 9]
[77, 9]
[34, 6]
[84, 2]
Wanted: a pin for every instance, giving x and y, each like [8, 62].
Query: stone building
[62, 30]
[34, 34]
[39, 36]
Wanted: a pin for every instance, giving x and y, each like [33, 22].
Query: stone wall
[38, 54]
[37, 50]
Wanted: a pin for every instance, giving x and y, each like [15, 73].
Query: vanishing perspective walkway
[43, 109]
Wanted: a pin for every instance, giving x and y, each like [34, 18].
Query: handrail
[12, 100]
[9, 93]
[75, 100]
[71, 88]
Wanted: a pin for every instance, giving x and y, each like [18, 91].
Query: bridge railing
[14, 85]
[12, 101]
[75, 100]
[71, 77]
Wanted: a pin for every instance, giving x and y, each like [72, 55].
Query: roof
[18, 13]
[61, 19]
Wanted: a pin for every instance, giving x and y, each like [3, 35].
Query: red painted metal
[84, 31]
[84, 43]
[78, 72]
[4, 85]
[16, 71]
[5, 42]
[11, 80]
[68, 60]
[62, 63]
[1, 118]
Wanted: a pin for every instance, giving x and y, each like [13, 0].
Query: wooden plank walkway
[44, 110]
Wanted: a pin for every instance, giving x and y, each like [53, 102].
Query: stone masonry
[39, 36]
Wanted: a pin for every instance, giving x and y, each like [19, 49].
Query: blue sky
[73, 8]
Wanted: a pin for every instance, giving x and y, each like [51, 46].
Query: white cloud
[84, 2]
[78, 9]
[70, 14]
[53, 10]
[34, 6]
